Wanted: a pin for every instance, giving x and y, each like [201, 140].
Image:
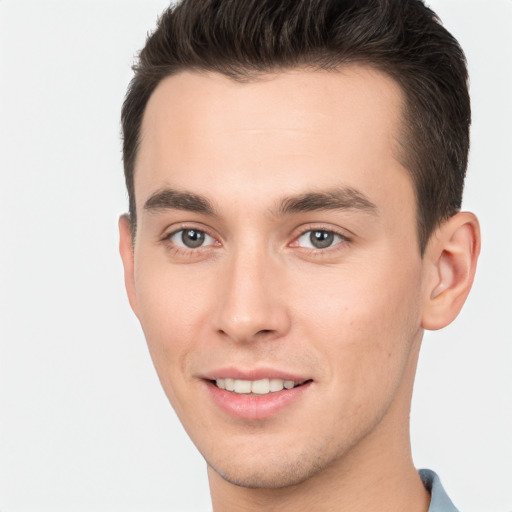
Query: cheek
[364, 323]
[174, 305]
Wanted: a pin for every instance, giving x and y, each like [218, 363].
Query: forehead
[300, 129]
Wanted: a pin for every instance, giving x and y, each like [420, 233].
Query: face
[276, 270]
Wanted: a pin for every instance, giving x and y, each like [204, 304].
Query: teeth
[260, 387]
[242, 386]
[257, 387]
[230, 384]
[276, 384]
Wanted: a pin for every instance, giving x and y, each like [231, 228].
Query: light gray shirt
[439, 501]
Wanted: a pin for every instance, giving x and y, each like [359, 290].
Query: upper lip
[253, 374]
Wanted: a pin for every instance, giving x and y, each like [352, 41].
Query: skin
[257, 294]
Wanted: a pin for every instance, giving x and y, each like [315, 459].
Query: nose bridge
[249, 302]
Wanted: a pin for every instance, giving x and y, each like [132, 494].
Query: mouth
[256, 399]
[256, 387]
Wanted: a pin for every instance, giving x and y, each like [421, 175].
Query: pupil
[321, 239]
[192, 238]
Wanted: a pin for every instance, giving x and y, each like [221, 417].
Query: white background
[84, 424]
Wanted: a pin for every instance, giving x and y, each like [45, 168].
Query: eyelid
[174, 228]
[305, 228]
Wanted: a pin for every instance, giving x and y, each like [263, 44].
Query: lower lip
[255, 407]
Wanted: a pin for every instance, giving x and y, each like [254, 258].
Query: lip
[252, 374]
[254, 407]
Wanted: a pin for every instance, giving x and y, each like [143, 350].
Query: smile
[256, 399]
[256, 387]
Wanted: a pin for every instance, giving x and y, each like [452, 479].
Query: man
[295, 173]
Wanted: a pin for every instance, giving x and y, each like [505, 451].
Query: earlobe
[451, 256]
[126, 250]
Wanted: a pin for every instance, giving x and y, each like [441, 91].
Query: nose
[251, 301]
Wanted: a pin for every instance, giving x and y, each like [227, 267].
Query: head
[295, 171]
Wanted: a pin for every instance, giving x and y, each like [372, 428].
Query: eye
[319, 239]
[190, 238]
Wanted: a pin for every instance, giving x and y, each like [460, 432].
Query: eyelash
[343, 240]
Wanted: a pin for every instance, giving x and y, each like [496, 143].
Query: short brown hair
[403, 38]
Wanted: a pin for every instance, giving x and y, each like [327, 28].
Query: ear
[126, 250]
[451, 258]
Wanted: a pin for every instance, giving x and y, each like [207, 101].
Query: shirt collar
[439, 501]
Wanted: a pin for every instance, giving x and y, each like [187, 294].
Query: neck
[375, 475]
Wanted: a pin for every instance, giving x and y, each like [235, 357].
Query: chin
[276, 478]
[274, 472]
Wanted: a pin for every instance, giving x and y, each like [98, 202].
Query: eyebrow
[169, 199]
[345, 198]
